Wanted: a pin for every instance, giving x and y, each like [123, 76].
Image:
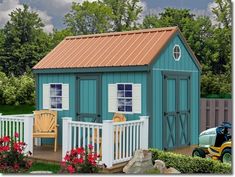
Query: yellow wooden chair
[45, 125]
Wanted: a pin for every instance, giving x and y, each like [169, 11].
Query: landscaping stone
[160, 165]
[170, 170]
[41, 172]
[141, 162]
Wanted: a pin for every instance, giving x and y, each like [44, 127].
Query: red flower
[90, 146]
[70, 169]
[6, 139]
[16, 134]
[63, 163]
[5, 148]
[80, 150]
[66, 158]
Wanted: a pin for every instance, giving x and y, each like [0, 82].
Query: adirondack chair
[45, 125]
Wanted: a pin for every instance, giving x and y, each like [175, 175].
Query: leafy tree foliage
[103, 16]
[125, 13]
[24, 42]
[89, 18]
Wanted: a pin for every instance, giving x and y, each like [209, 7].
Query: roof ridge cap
[123, 33]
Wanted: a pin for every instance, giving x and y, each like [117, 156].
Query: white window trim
[123, 112]
[55, 109]
[177, 59]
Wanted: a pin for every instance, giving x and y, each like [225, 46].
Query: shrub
[80, 160]
[17, 90]
[188, 164]
[12, 157]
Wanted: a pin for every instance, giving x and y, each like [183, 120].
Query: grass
[21, 109]
[39, 166]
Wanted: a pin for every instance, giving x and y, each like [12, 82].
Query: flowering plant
[80, 160]
[12, 157]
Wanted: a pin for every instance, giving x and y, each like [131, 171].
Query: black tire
[227, 153]
[198, 152]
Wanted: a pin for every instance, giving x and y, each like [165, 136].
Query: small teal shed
[149, 72]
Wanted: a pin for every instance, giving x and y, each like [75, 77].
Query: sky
[52, 11]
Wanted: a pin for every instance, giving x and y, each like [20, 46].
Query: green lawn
[21, 109]
[39, 166]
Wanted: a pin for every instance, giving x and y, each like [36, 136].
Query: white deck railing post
[66, 135]
[145, 132]
[107, 144]
[28, 133]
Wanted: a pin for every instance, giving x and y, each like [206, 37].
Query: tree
[25, 43]
[89, 18]
[58, 35]
[126, 13]
[223, 12]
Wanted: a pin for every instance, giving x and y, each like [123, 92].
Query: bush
[17, 90]
[187, 164]
[12, 157]
[80, 160]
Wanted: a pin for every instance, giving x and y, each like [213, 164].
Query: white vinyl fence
[22, 124]
[115, 142]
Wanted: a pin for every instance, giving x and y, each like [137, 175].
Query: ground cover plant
[188, 164]
[40, 166]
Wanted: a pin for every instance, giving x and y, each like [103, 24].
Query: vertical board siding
[125, 77]
[166, 62]
[64, 79]
[214, 112]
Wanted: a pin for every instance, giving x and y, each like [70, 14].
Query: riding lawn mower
[216, 143]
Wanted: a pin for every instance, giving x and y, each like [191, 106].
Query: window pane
[128, 102]
[128, 108]
[120, 86]
[128, 94]
[120, 93]
[59, 105]
[58, 93]
[53, 86]
[128, 87]
[58, 86]
[121, 102]
[121, 108]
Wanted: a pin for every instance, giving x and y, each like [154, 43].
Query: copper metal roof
[132, 48]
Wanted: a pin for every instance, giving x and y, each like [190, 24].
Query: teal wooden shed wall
[124, 77]
[107, 78]
[166, 62]
[58, 78]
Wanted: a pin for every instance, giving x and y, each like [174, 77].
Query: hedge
[188, 164]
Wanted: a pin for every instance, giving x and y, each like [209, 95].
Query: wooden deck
[46, 153]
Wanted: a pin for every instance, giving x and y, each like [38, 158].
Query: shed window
[56, 96]
[177, 52]
[124, 97]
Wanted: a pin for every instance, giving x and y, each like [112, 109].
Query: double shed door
[176, 109]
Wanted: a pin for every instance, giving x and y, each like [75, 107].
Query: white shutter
[65, 96]
[112, 98]
[46, 96]
[136, 98]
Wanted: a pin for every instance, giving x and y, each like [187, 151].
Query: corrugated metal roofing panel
[131, 48]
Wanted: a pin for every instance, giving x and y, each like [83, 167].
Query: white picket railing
[80, 134]
[116, 142]
[22, 124]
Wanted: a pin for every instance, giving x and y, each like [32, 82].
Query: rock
[170, 170]
[160, 165]
[41, 172]
[141, 162]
